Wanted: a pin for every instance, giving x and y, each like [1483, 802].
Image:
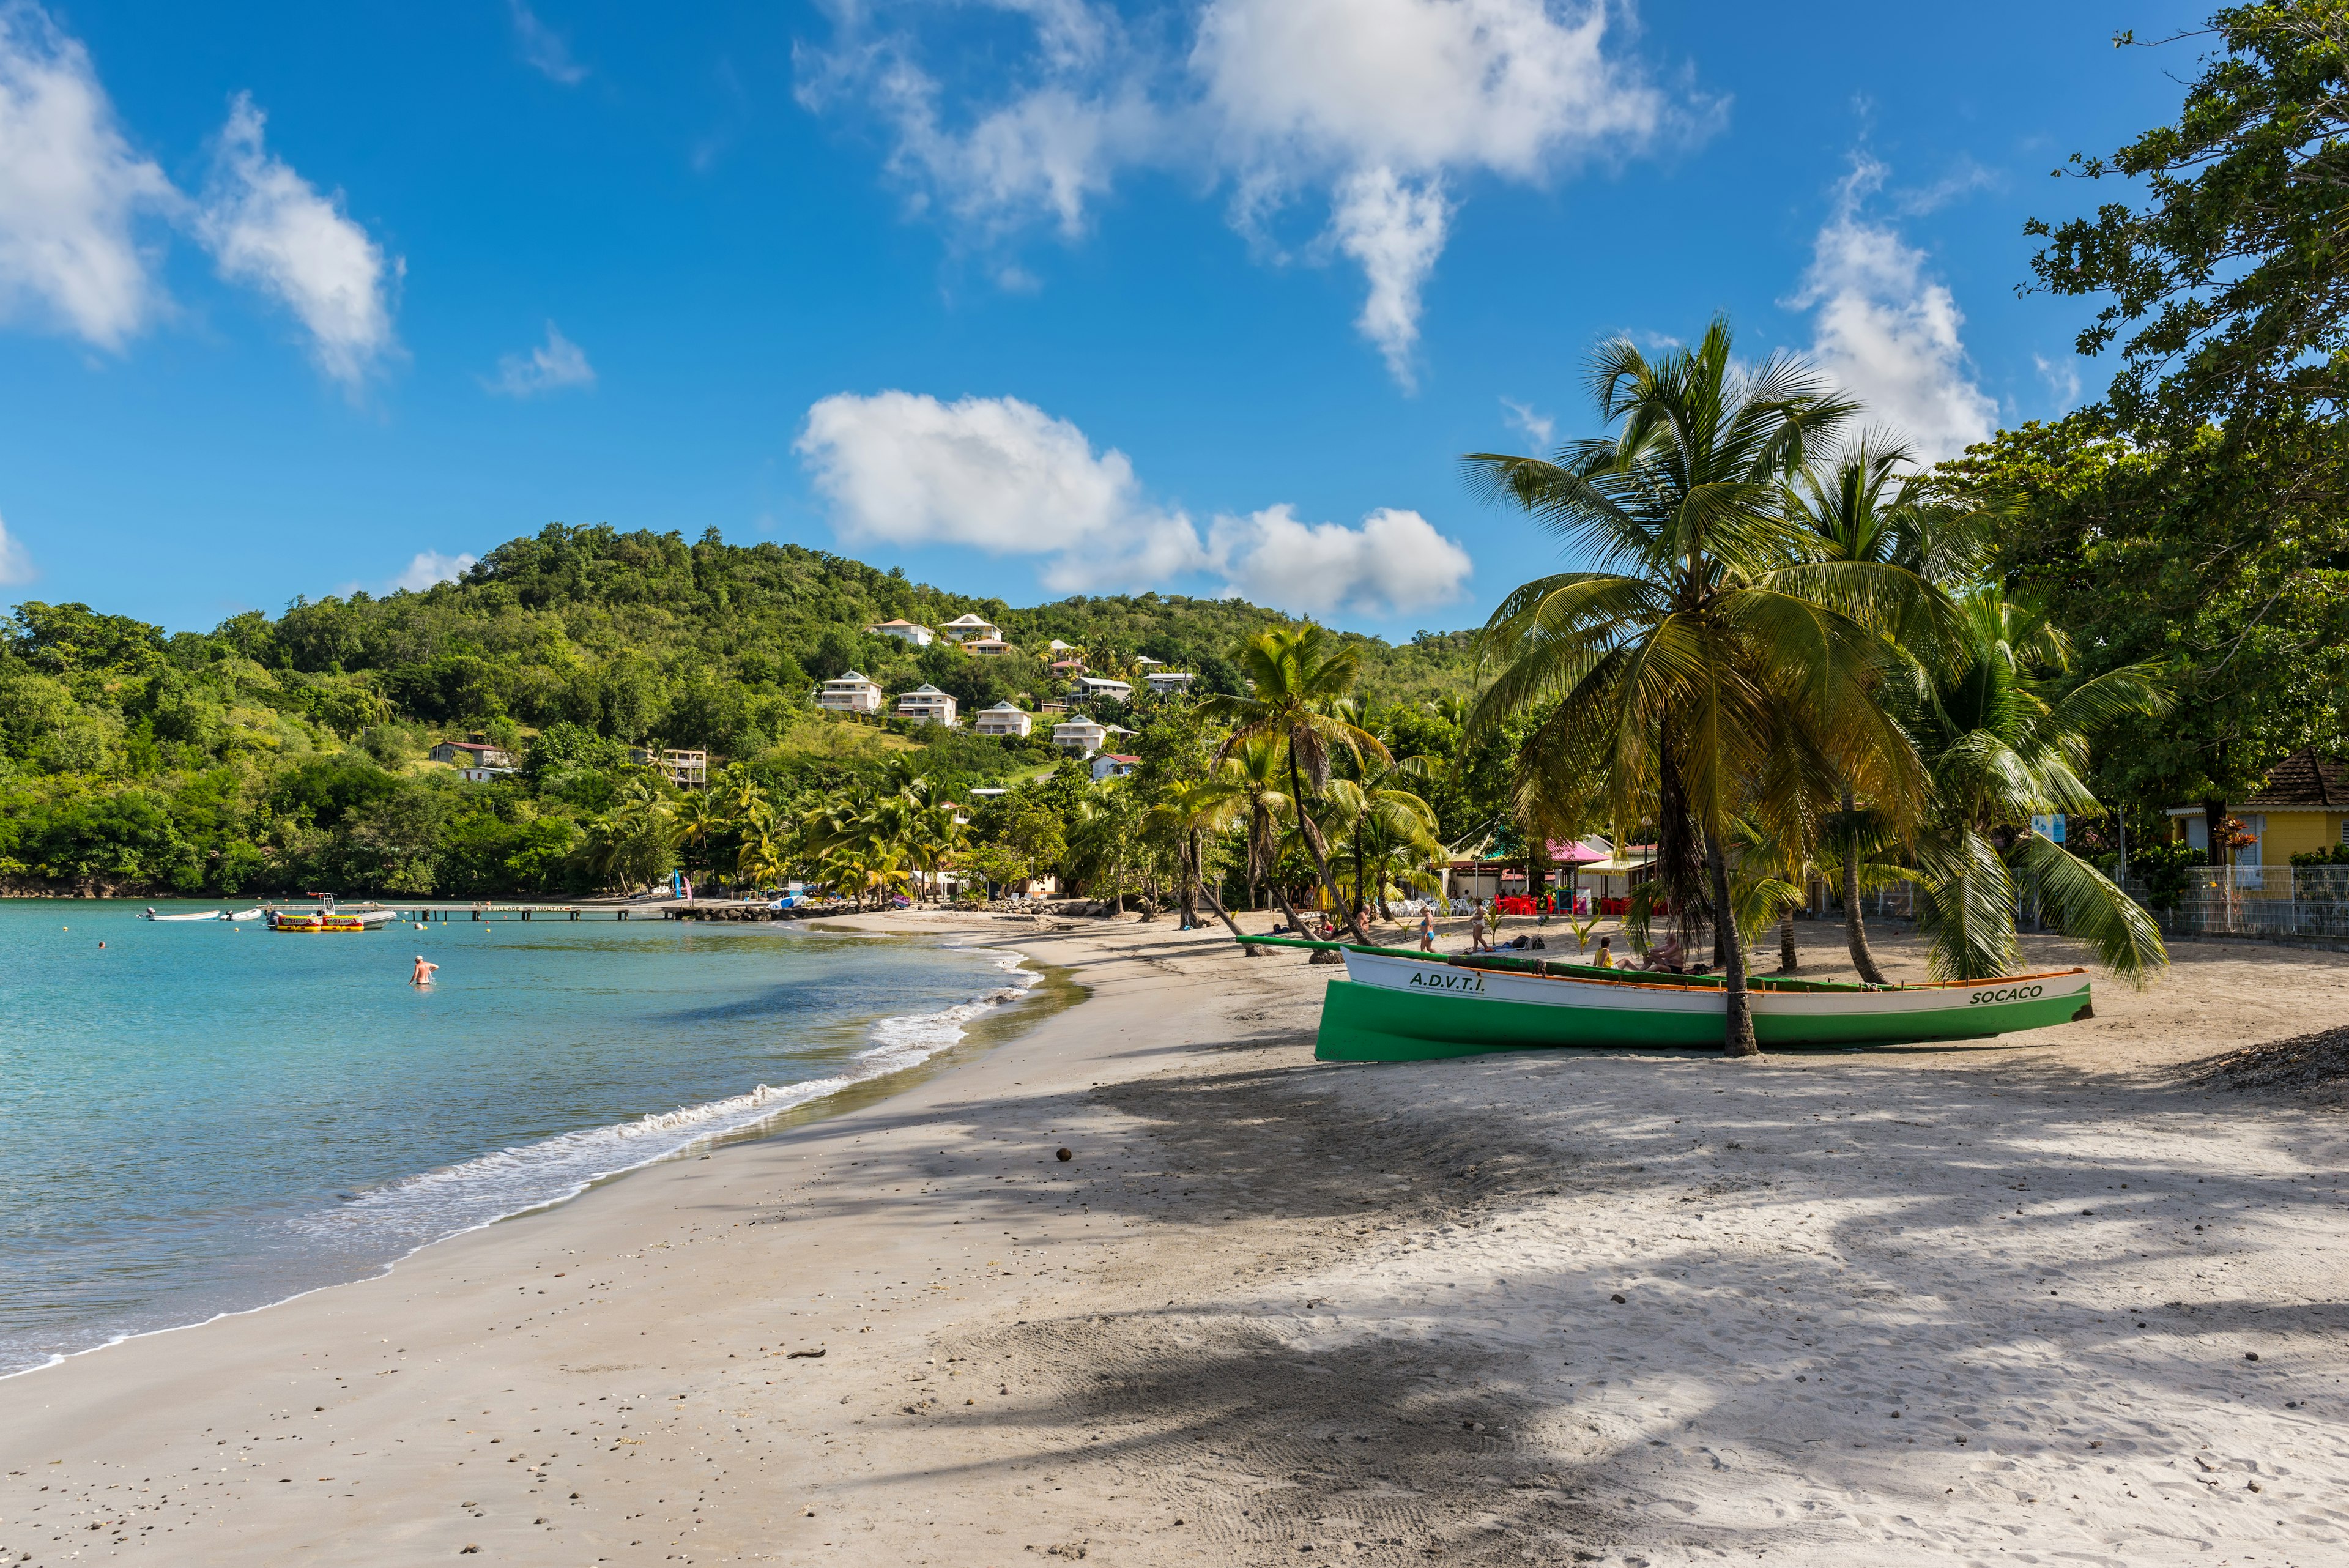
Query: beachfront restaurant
[1487, 878]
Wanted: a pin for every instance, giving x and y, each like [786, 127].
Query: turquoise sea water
[200, 1118]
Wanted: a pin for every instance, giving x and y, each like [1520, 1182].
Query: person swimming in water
[424, 971]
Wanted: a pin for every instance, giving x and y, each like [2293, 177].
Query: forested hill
[623, 631]
[134, 758]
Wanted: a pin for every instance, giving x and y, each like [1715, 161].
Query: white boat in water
[201, 915]
[245, 915]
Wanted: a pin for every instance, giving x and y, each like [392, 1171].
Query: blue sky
[1029, 297]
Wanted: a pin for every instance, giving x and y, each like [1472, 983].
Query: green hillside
[273, 753]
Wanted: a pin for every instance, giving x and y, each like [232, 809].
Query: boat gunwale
[1760, 986]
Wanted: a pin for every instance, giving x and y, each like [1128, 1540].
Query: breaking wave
[420, 1210]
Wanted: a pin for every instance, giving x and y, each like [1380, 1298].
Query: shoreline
[894, 1044]
[1269, 1306]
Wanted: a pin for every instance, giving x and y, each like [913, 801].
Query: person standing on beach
[1477, 943]
[1427, 928]
[423, 972]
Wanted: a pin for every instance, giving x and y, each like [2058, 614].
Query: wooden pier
[650, 909]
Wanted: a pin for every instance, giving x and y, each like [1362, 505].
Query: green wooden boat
[1397, 1005]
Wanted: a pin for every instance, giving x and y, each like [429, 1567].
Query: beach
[2032, 1299]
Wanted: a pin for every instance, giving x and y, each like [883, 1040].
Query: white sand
[1364, 1310]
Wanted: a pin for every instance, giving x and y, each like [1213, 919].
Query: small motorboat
[245, 915]
[316, 922]
[327, 917]
[200, 915]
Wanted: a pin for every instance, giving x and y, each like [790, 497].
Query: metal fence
[2257, 901]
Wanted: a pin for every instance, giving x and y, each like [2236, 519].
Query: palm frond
[2085, 906]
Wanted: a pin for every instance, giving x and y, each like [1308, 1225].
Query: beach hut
[2303, 807]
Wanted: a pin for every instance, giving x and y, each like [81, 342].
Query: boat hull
[1393, 1008]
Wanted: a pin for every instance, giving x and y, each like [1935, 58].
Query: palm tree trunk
[1281, 897]
[1314, 847]
[1855, 920]
[1361, 898]
[1191, 878]
[1788, 961]
[1737, 1032]
[1217, 905]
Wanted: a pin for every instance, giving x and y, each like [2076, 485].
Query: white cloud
[1394, 562]
[2063, 378]
[1376, 103]
[996, 474]
[15, 565]
[1512, 85]
[431, 566]
[543, 48]
[269, 227]
[1003, 476]
[1044, 156]
[1396, 233]
[1887, 331]
[70, 187]
[1540, 428]
[552, 366]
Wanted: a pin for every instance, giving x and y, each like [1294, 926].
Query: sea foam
[420, 1210]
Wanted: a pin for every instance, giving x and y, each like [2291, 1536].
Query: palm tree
[1190, 811]
[1296, 678]
[936, 834]
[1254, 780]
[2006, 740]
[1380, 820]
[761, 853]
[1865, 503]
[1452, 707]
[1712, 663]
[630, 842]
[1100, 837]
[699, 817]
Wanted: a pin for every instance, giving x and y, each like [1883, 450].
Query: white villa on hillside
[1057, 645]
[1100, 686]
[852, 693]
[930, 705]
[1003, 718]
[473, 753]
[1162, 681]
[1144, 662]
[687, 770]
[987, 646]
[1079, 737]
[905, 631]
[1114, 765]
[964, 627]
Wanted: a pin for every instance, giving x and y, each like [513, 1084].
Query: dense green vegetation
[278, 756]
[2199, 515]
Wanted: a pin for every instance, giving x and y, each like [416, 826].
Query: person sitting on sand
[1606, 958]
[423, 972]
[1665, 955]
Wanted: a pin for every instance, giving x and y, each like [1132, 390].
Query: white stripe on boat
[1433, 976]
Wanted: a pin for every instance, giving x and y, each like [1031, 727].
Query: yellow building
[2303, 805]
